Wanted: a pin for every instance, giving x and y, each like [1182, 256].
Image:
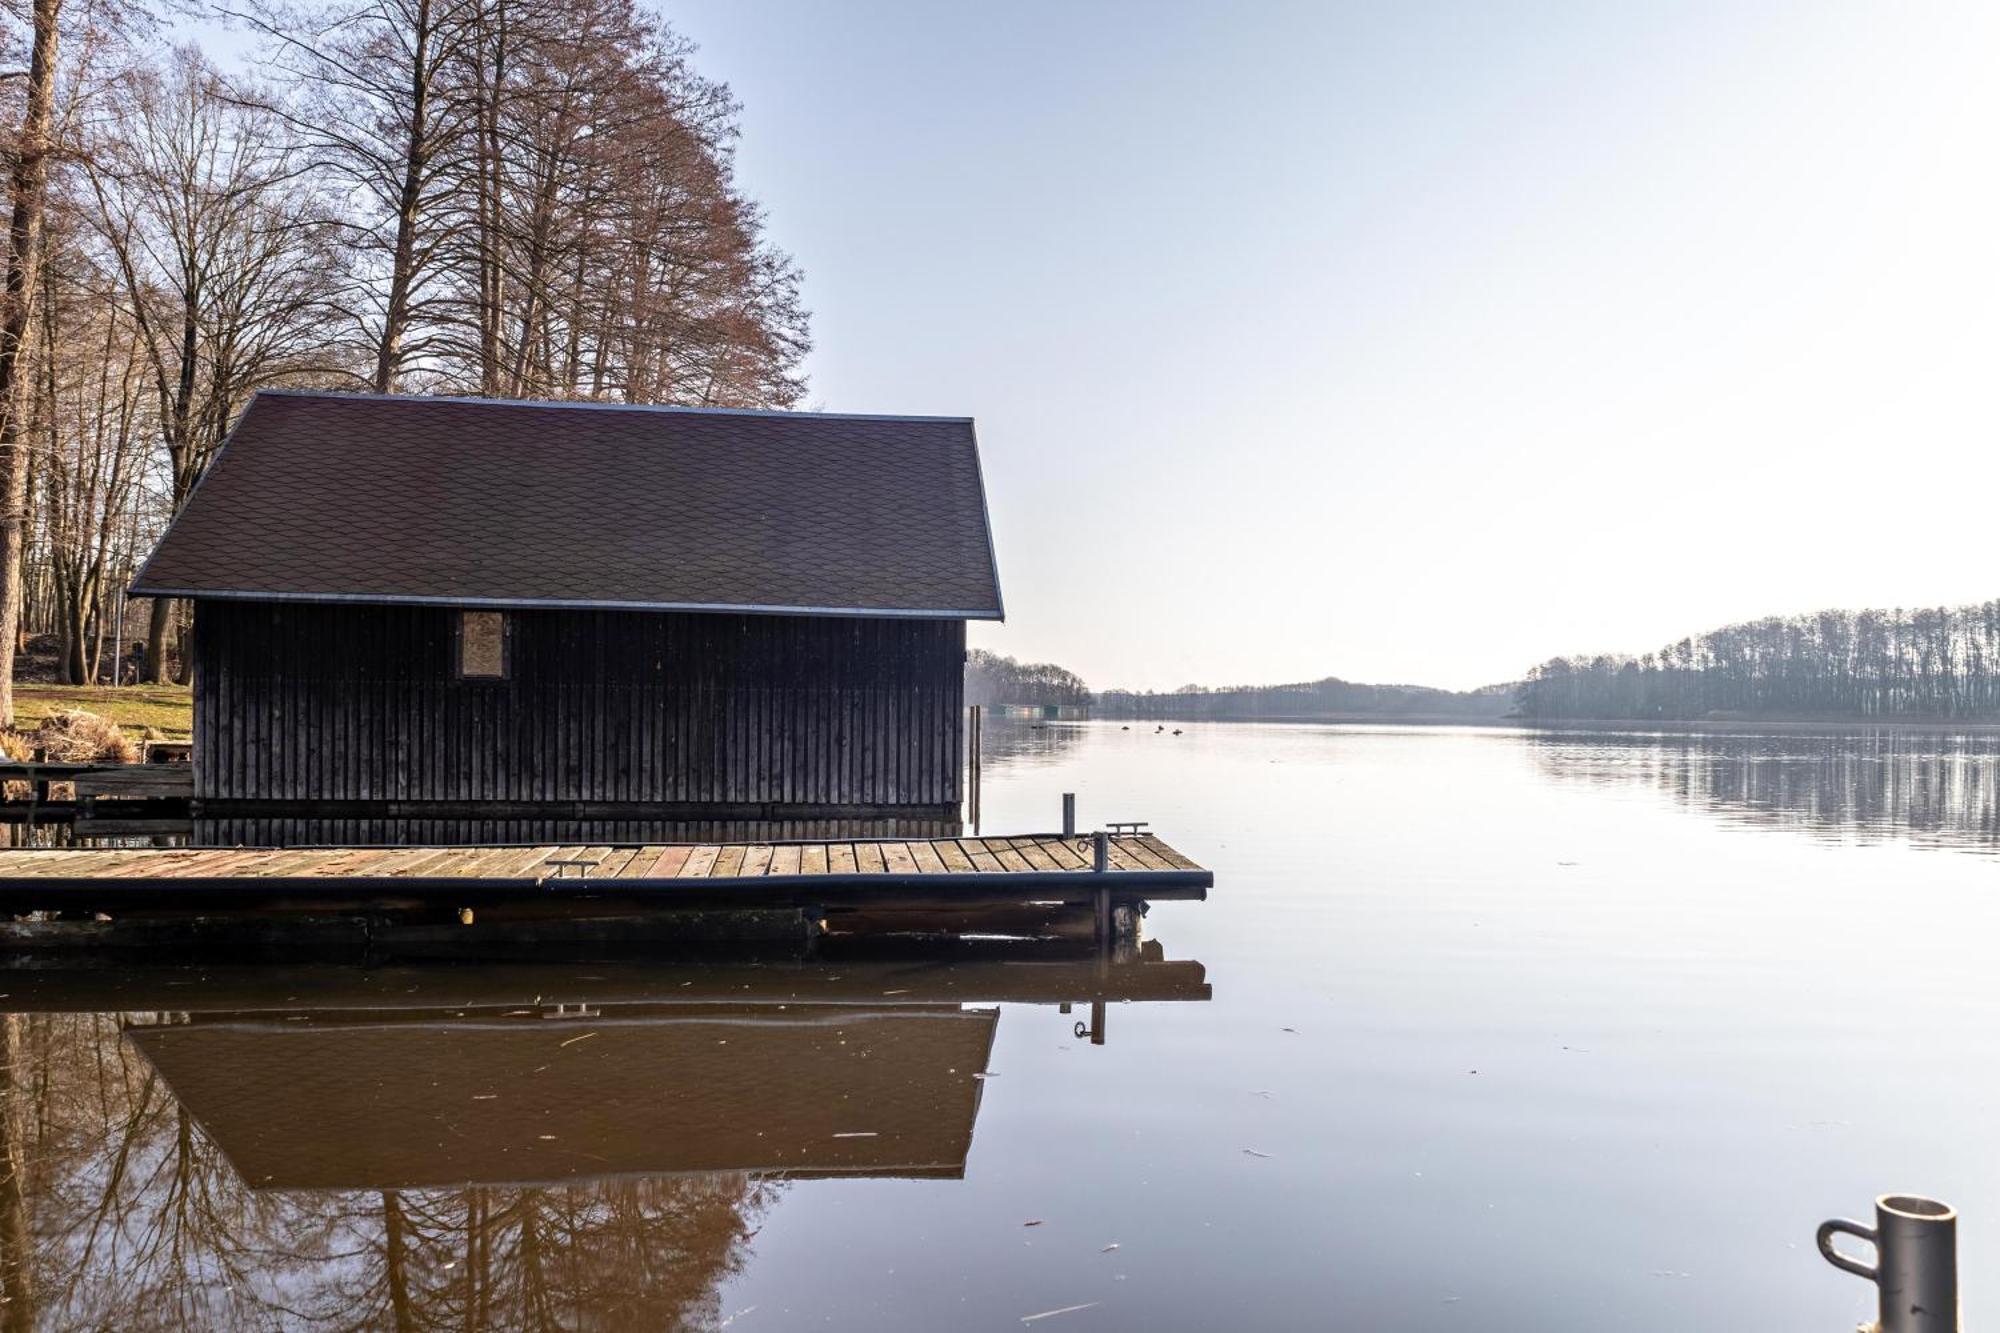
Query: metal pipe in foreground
[1916, 1262]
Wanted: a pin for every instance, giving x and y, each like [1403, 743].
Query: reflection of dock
[996, 973]
[403, 1078]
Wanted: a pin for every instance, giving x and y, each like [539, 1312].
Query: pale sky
[1405, 342]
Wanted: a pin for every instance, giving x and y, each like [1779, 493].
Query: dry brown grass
[72, 736]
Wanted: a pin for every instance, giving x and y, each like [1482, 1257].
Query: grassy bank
[168, 709]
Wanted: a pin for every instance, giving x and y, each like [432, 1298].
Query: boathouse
[454, 620]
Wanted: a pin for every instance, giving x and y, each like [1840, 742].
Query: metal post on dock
[1093, 1032]
[1916, 1262]
[1069, 814]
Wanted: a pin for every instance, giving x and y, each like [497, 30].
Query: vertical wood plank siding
[681, 713]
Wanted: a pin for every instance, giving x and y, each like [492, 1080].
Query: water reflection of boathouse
[365, 1148]
[406, 1102]
[853, 1069]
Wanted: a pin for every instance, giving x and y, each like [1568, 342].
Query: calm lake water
[1507, 1031]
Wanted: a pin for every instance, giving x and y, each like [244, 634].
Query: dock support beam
[1069, 814]
[1100, 897]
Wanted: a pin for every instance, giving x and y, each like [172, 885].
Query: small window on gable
[483, 645]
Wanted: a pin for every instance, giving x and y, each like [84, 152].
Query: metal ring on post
[1842, 1227]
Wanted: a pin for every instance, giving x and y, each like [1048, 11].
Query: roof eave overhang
[142, 589]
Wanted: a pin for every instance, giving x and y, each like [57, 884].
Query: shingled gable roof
[482, 502]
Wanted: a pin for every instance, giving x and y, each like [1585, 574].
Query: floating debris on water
[1067, 1309]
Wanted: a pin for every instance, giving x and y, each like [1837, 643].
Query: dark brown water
[1557, 1031]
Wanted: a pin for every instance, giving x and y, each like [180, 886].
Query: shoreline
[1791, 723]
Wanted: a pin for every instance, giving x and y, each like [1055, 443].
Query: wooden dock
[928, 874]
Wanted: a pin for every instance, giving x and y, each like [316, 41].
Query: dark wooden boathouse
[455, 620]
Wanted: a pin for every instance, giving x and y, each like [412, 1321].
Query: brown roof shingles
[402, 498]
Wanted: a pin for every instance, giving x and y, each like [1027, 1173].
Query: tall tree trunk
[156, 640]
[492, 274]
[76, 636]
[17, 1292]
[409, 202]
[396, 1273]
[29, 188]
[184, 631]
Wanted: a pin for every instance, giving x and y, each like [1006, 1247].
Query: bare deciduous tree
[27, 188]
[504, 197]
[224, 258]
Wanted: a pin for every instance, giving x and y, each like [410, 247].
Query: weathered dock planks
[937, 872]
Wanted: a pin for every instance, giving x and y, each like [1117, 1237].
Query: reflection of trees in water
[1027, 744]
[136, 1221]
[1875, 785]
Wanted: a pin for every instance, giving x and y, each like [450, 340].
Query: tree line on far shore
[508, 198]
[1328, 698]
[993, 679]
[1933, 662]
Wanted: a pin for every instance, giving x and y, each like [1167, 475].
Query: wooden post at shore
[975, 728]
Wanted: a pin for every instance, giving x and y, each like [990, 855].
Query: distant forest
[1940, 662]
[993, 679]
[1328, 698]
[1934, 663]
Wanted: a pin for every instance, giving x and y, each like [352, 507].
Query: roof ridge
[601, 406]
